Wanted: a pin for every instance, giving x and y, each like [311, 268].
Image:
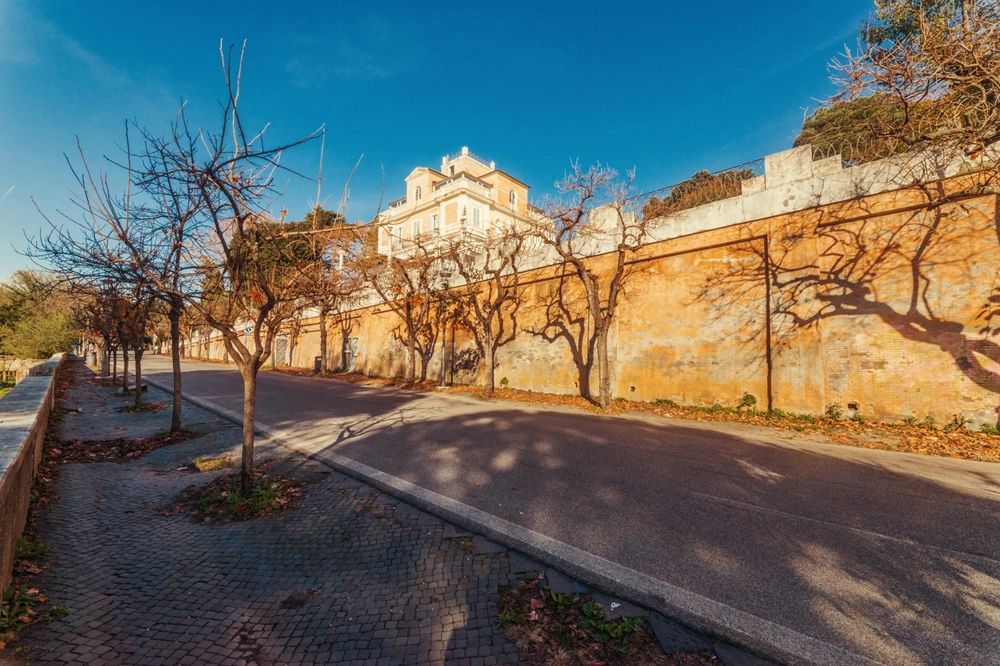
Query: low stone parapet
[24, 413]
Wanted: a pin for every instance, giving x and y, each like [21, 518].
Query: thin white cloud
[27, 38]
[371, 48]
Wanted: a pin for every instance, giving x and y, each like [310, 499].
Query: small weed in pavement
[17, 611]
[570, 629]
[222, 500]
[29, 548]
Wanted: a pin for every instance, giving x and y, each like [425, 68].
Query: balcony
[464, 181]
[431, 241]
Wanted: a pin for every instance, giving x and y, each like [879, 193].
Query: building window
[513, 200]
[435, 225]
[451, 170]
[417, 230]
[416, 194]
[397, 238]
[476, 222]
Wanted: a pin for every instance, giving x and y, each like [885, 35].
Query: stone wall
[17, 369]
[818, 286]
[24, 413]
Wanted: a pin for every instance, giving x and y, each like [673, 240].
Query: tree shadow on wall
[567, 320]
[866, 263]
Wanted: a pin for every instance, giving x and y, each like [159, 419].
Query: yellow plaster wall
[875, 302]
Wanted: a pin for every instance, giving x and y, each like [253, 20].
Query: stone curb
[757, 635]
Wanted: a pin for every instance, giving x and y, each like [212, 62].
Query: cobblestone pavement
[351, 576]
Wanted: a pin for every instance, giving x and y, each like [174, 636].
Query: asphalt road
[893, 557]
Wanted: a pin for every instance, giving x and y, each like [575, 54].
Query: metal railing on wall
[702, 188]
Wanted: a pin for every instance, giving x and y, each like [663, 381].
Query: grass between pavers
[952, 441]
[222, 500]
[570, 630]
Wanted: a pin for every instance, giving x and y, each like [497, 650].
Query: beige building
[468, 195]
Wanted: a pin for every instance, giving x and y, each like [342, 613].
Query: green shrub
[565, 602]
[957, 423]
[615, 631]
[30, 549]
[834, 411]
[232, 504]
[748, 401]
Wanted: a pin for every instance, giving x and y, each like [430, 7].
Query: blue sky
[667, 88]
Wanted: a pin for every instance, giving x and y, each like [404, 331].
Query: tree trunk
[105, 356]
[322, 341]
[138, 376]
[490, 367]
[124, 368]
[411, 346]
[114, 364]
[249, 374]
[604, 378]
[175, 361]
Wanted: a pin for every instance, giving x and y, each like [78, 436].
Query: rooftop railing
[468, 153]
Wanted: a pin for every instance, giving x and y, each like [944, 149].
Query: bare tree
[411, 287]
[489, 295]
[591, 219]
[928, 74]
[226, 259]
[91, 252]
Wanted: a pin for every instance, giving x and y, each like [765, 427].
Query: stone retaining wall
[24, 413]
[17, 368]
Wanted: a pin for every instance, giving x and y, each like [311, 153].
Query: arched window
[513, 200]
[416, 194]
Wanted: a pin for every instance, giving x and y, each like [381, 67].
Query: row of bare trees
[187, 234]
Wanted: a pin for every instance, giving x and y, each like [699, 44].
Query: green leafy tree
[36, 316]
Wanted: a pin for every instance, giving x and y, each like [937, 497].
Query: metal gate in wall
[281, 350]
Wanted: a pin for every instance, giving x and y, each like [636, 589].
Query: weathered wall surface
[17, 369]
[818, 286]
[24, 413]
